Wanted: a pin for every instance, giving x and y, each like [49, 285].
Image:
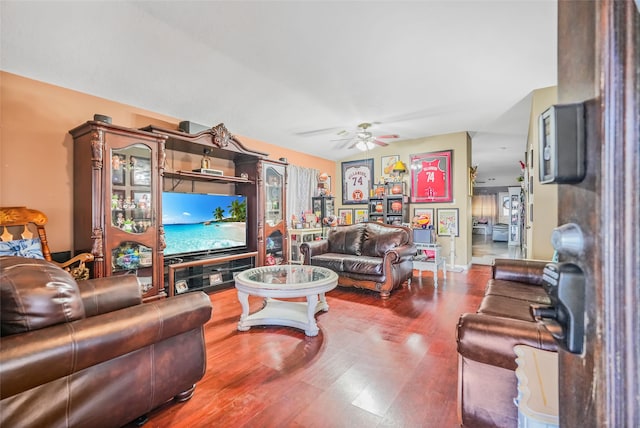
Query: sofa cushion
[346, 240]
[506, 307]
[35, 294]
[379, 239]
[333, 261]
[515, 290]
[364, 265]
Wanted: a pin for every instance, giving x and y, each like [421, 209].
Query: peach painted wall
[36, 156]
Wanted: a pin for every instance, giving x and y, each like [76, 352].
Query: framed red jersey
[431, 177]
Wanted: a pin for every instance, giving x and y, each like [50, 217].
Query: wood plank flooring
[375, 363]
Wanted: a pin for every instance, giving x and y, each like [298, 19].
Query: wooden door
[598, 62]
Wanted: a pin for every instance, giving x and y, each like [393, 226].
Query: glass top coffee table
[281, 282]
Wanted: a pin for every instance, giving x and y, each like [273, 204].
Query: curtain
[301, 187]
[483, 208]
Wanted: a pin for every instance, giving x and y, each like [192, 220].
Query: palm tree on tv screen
[238, 210]
[218, 214]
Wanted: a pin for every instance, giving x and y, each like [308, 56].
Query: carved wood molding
[221, 136]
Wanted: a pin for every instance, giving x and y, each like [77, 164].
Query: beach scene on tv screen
[196, 222]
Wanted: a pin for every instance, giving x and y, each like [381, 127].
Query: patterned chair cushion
[29, 248]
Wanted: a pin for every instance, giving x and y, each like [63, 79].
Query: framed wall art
[447, 224]
[431, 177]
[361, 215]
[345, 215]
[357, 179]
[387, 163]
[424, 216]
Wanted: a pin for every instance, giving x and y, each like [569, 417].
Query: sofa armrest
[490, 340]
[313, 248]
[519, 270]
[102, 295]
[40, 356]
[402, 252]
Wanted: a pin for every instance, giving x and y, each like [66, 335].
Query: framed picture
[448, 222]
[387, 163]
[181, 286]
[431, 177]
[361, 215]
[357, 179]
[423, 217]
[141, 199]
[345, 215]
[140, 171]
[215, 278]
[118, 166]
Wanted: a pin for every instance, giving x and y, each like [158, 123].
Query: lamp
[399, 168]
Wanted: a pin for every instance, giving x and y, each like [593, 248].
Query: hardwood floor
[374, 363]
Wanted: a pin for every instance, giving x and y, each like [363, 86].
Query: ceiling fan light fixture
[365, 145]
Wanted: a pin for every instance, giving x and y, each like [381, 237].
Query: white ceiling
[295, 73]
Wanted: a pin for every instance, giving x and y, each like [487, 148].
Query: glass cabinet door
[274, 180]
[132, 212]
[131, 188]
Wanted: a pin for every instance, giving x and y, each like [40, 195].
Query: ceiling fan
[363, 139]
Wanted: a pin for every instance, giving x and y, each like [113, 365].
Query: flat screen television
[201, 223]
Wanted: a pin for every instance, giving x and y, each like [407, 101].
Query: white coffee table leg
[312, 304]
[243, 298]
[323, 305]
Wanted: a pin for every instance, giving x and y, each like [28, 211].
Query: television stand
[207, 273]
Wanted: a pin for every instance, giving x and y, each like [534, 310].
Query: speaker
[191, 127]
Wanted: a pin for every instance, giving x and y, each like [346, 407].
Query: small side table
[421, 263]
[294, 244]
[537, 374]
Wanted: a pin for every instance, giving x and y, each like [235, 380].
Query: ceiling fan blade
[388, 136]
[352, 145]
[343, 145]
[380, 143]
[317, 131]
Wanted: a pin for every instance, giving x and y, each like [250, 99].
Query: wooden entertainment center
[118, 209]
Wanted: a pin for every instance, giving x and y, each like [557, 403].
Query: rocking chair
[18, 225]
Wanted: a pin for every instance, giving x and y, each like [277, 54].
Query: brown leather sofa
[367, 255]
[487, 384]
[90, 354]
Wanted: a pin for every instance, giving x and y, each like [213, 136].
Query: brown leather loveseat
[90, 354]
[367, 255]
[487, 384]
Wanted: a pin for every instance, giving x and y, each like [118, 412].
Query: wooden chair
[19, 224]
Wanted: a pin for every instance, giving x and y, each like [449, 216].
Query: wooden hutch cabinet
[117, 209]
[122, 176]
[234, 170]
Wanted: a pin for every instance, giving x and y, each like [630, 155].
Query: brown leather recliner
[367, 255]
[487, 384]
[90, 354]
